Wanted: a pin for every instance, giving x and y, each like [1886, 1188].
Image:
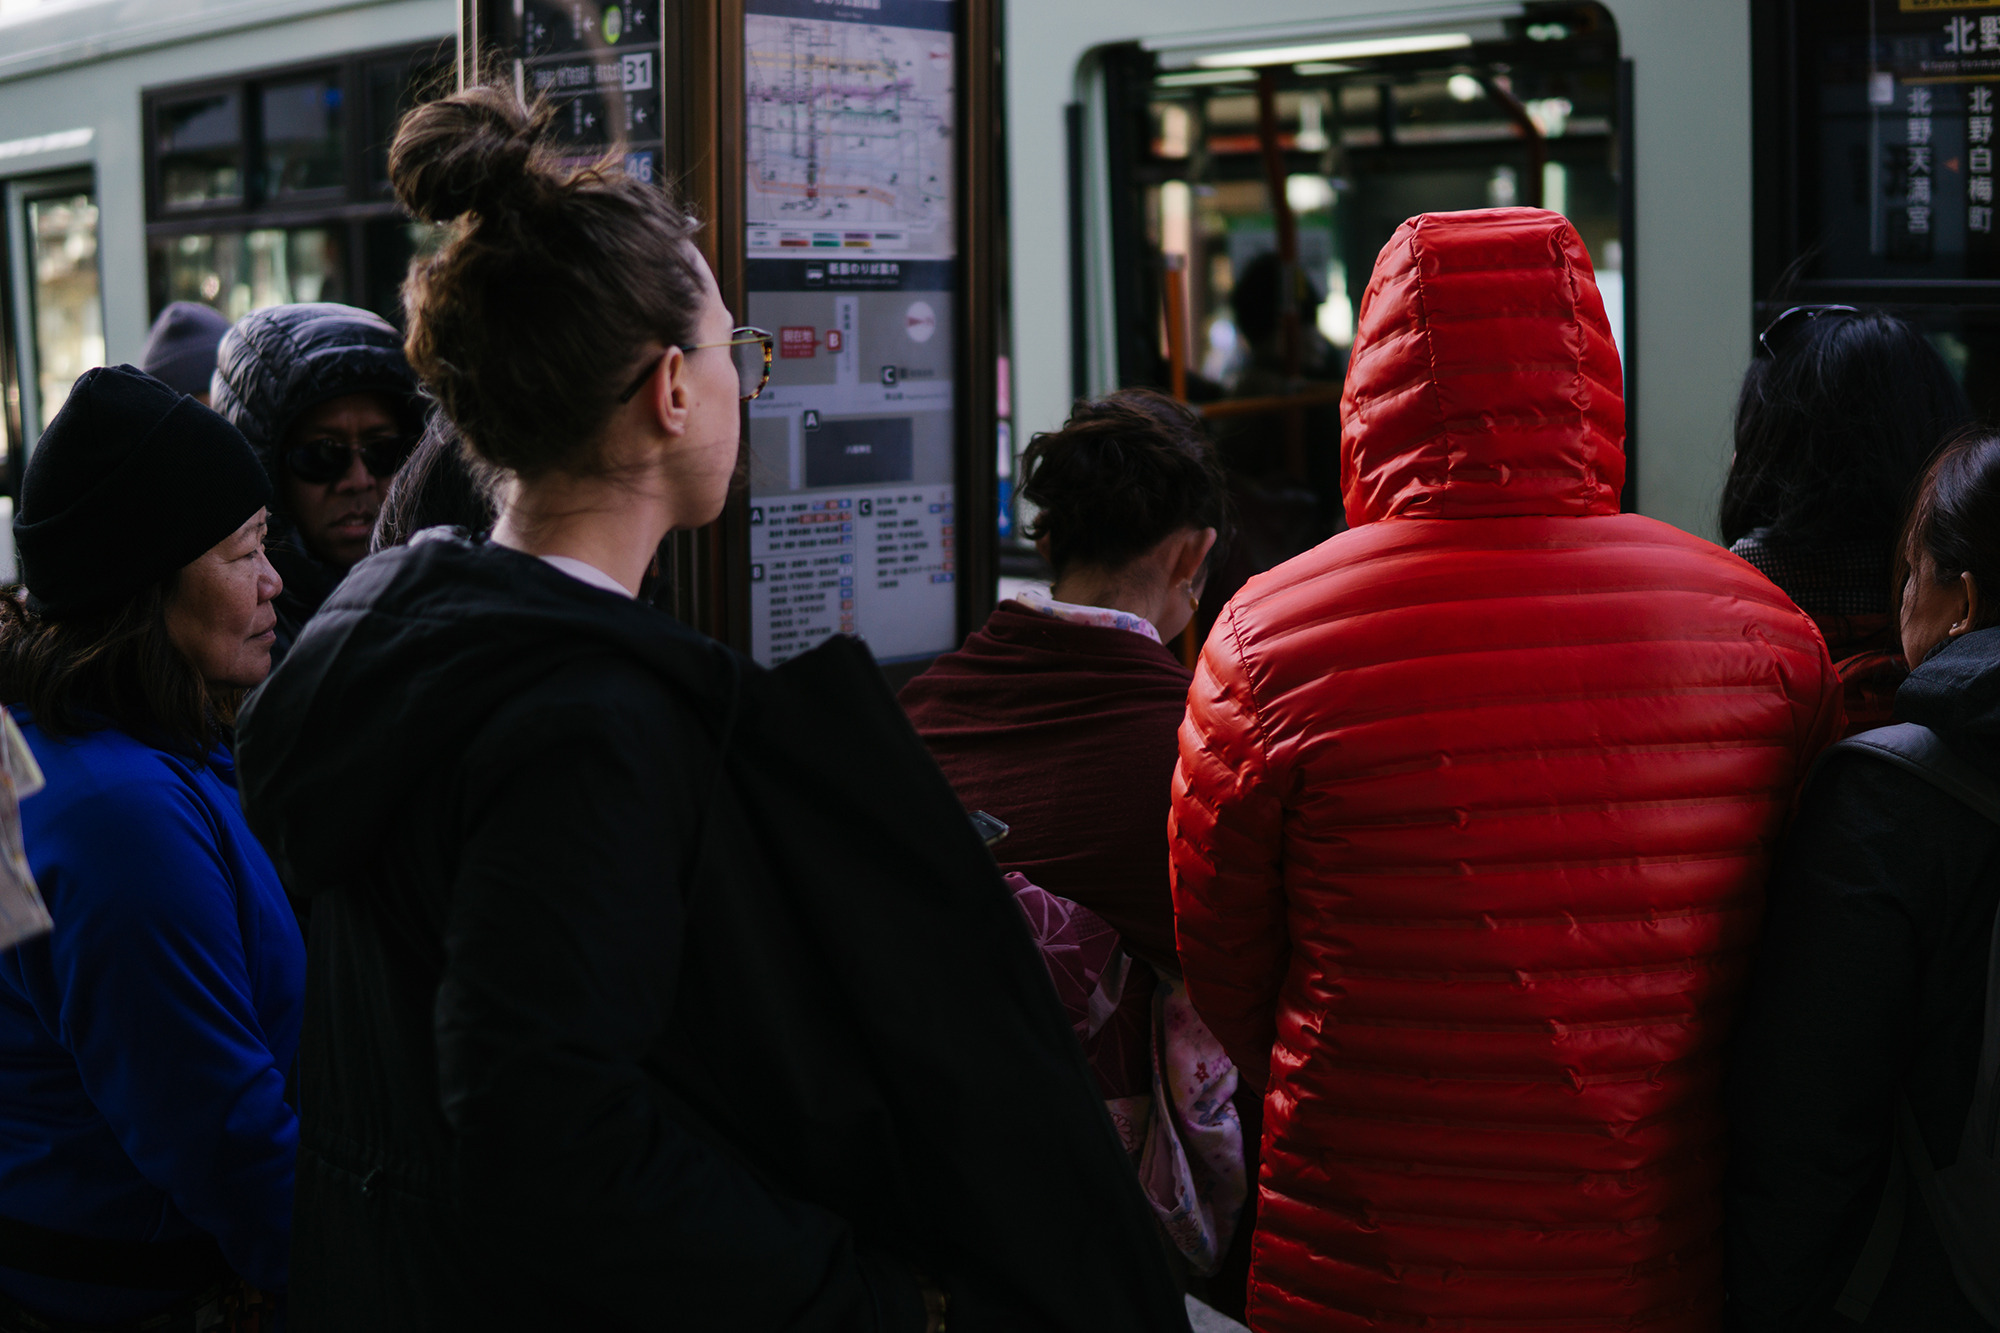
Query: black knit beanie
[129, 483]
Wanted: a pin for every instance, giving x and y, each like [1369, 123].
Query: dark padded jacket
[274, 365]
[648, 989]
[1869, 982]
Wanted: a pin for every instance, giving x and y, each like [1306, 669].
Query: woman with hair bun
[494, 878]
[606, 1027]
[1059, 718]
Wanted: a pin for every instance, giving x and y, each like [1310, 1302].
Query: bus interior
[1249, 191]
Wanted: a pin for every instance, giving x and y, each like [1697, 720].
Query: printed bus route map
[849, 136]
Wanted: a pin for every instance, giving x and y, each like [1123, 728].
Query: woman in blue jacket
[147, 1134]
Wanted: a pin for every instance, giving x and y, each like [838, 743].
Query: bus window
[1251, 190]
[303, 143]
[240, 271]
[272, 186]
[200, 146]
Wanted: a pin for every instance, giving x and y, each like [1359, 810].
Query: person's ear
[1968, 588]
[672, 396]
[1194, 547]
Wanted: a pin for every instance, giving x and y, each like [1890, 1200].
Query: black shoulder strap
[1918, 750]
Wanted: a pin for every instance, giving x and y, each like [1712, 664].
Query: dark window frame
[1784, 219]
[155, 107]
[1783, 222]
[349, 211]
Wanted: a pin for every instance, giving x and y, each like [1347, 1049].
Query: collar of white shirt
[591, 574]
[1108, 617]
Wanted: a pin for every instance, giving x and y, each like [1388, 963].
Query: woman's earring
[1194, 598]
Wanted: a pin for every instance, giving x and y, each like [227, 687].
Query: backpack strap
[1917, 749]
[1914, 749]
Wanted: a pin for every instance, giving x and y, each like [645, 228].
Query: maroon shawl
[1067, 732]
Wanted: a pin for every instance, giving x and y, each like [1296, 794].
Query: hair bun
[528, 320]
[477, 151]
[1123, 473]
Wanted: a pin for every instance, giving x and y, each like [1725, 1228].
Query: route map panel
[850, 134]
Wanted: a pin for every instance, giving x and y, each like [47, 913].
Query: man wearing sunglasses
[324, 395]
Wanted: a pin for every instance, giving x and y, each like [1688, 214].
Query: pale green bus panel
[1690, 251]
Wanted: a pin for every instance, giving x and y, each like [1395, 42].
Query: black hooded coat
[273, 366]
[1869, 983]
[651, 989]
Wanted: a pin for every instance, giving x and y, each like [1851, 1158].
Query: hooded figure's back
[1471, 825]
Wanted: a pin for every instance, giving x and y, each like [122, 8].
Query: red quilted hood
[1484, 382]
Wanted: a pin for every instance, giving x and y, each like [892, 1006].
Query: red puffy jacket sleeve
[1229, 901]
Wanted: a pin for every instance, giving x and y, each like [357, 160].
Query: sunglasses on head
[1781, 332]
[323, 461]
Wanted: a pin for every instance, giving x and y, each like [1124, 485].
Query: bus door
[52, 323]
[1235, 191]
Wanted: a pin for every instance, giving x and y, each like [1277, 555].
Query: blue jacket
[145, 1045]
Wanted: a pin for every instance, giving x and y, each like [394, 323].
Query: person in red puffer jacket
[1472, 820]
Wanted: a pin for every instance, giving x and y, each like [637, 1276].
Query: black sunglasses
[322, 462]
[1780, 332]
